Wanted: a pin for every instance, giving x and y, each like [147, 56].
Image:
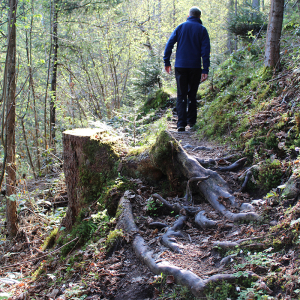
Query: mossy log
[168, 156]
[90, 159]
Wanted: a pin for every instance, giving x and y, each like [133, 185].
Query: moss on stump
[91, 158]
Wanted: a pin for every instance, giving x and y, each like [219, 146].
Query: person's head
[195, 12]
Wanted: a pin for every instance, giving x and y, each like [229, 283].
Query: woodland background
[99, 64]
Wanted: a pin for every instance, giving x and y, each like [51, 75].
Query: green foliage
[220, 290]
[112, 193]
[147, 78]
[247, 22]
[83, 229]
[171, 291]
[153, 206]
[160, 99]
[113, 237]
[270, 173]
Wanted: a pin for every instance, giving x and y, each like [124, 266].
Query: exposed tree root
[188, 193]
[158, 225]
[177, 208]
[247, 177]
[181, 276]
[239, 243]
[226, 260]
[168, 240]
[202, 221]
[238, 164]
[205, 162]
[168, 156]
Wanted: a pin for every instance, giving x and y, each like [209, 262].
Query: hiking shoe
[192, 127]
[180, 129]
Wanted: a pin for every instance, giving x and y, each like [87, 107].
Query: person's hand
[168, 69]
[203, 77]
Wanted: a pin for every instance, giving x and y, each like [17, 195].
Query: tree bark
[90, 160]
[229, 34]
[272, 52]
[11, 206]
[54, 78]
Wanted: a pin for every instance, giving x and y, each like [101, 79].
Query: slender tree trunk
[235, 39]
[11, 206]
[54, 79]
[174, 14]
[272, 52]
[229, 34]
[47, 84]
[31, 84]
[256, 4]
[27, 148]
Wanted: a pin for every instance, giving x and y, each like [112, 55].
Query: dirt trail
[122, 275]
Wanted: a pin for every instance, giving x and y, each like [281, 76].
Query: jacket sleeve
[205, 52]
[169, 46]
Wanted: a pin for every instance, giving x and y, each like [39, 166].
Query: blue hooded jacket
[192, 44]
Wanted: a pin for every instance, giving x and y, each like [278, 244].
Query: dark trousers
[188, 80]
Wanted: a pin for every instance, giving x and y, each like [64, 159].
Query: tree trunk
[54, 79]
[90, 160]
[272, 52]
[229, 34]
[31, 84]
[256, 4]
[11, 206]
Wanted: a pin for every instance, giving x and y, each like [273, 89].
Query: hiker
[192, 45]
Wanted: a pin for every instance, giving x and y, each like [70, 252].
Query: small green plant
[270, 174]
[221, 291]
[153, 206]
[113, 238]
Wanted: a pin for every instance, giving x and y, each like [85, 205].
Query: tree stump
[91, 158]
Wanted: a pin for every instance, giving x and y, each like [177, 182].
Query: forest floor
[28, 271]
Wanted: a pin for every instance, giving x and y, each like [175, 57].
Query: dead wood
[202, 221]
[90, 157]
[168, 156]
[168, 238]
[181, 276]
[238, 164]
